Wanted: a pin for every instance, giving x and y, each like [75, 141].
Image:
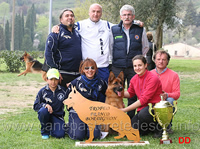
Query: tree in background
[155, 14]
[19, 31]
[191, 14]
[81, 9]
[31, 21]
[198, 20]
[27, 44]
[42, 31]
[4, 13]
[2, 39]
[7, 36]
[111, 9]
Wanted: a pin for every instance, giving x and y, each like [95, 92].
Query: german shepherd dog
[115, 90]
[114, 96]
[32, 66]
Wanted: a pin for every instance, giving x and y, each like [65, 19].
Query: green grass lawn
[21, 129]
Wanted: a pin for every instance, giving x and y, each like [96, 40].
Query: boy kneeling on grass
[50, 107]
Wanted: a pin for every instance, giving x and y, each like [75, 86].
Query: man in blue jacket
[63, 49]
[129, 40]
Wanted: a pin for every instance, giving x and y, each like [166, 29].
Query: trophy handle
[175, 106]
[150, 108]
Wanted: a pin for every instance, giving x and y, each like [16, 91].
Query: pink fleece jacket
[170, 82]
[147, 88]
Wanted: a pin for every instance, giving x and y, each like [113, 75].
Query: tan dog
[97, 113]
[32, 66]
[115, 90]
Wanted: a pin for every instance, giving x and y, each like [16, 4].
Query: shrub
[12, 60]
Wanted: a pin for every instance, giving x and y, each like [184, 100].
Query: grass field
[20, 128]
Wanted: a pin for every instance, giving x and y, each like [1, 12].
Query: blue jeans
[78, 130]
[170, 100]
[51, 124]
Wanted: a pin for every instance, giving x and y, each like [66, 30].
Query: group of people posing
[79, 54]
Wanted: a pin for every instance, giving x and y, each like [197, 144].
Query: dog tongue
[119, 93]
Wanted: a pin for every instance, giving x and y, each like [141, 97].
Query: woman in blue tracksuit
[90, 86]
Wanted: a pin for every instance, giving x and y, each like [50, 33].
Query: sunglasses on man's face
[91, 67]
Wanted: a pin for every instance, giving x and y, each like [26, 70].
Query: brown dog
[114, 96]
[95, 113]
[32, 66]
[115, 90]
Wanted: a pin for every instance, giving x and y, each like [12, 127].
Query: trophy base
[169, 141]
[112, 143]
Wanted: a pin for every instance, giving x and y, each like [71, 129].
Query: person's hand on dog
[50, 110]
[55, 29]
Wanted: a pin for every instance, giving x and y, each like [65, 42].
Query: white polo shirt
[96, 41]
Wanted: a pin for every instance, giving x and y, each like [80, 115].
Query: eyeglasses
[91, 67]
[128, 15]
[101, 43]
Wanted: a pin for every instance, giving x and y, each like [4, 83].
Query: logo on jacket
[61, 96]
[116, 37]
[82, 89]
[137, 37]
[67, 37]
[48, 99]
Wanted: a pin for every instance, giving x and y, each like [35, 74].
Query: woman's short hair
[86, 63]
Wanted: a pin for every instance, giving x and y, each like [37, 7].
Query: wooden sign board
[97, 113]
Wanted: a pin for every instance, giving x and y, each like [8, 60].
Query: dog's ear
[25, 53]
[111, 77]
[121, 75]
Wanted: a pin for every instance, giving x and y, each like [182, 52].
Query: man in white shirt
[96, 36]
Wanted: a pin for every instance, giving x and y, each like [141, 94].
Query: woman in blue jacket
[90, 86]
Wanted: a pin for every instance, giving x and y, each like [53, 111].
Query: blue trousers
[78, 130]
[170, 100]
[51, 124]
[103, 73]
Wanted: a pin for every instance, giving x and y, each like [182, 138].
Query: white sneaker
[103, 135]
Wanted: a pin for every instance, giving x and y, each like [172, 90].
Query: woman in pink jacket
[148, 88]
